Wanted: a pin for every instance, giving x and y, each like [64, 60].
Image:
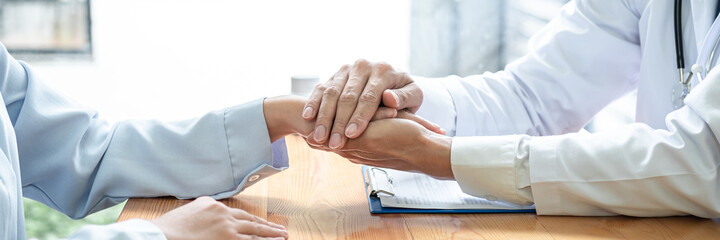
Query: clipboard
[377, 181]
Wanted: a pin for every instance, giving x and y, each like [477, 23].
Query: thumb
[408, 97]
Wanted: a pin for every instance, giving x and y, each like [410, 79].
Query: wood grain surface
[322, 196]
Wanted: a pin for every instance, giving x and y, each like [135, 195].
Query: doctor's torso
[658, 72]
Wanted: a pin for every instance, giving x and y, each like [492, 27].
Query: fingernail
[319, 133]
[395, 96]
[307, 112]
[335, 141]
[351, 130]
[284, 233]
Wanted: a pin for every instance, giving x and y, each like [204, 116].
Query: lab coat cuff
[485, 167]
[463, 104]
[130, 229]
[262, 158]
[437, 105]
[544, 174]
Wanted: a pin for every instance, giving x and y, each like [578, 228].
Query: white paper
[416, 190]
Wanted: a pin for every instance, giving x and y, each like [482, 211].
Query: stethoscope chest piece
[682, 88]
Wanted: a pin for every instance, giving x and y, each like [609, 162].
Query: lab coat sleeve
[585, 58]
[637, 170]
[77, 163]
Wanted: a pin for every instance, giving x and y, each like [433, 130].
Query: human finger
[408, 97]
[313, 102]
[380, 79]
[257, 229]
[312, 105]
[316, 145]
[354, 86]
[253, 237]
[422, 121]
[384, 113]
[326, 112]
[375, 160]
[243, 215]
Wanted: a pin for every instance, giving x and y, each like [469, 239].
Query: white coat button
[253, 178]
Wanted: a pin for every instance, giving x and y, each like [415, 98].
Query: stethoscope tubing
[679, 51]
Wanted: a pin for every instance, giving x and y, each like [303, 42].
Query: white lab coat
[60, 153]
[592, 53]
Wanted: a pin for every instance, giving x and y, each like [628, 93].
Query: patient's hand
[400, 143]
[283, 117]
[205, 218]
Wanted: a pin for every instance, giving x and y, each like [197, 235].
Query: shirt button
[253, 178]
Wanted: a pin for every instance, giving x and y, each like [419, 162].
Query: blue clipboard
[376, 206]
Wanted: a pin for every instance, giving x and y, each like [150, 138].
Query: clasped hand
[371, 106]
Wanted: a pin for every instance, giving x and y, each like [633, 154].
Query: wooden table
[322, 196]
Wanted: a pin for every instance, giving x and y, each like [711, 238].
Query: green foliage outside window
[43, 222]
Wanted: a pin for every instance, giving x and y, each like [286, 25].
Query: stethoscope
[681, 91]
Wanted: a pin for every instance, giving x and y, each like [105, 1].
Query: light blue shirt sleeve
[131, 229]
[77, 163]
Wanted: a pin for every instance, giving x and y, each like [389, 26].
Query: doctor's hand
[206, 218]
[400, 143]
[343, 106]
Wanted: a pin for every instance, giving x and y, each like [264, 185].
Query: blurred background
[175, 59]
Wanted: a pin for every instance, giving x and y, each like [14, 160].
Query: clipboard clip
[379, 181]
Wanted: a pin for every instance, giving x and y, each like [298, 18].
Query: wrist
[437, 150]
[283, 116]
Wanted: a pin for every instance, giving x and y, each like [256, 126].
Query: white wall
[173, 59]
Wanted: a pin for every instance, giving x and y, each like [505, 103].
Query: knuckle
[331, 92]
[320, 87]
[344, 68]
[369, 97]
[216, 205]
[361, 118]
[374, 86]
[258, 228]
[361, 60]
[353, 79]
[243, 211]
[383, 67]
[361, 63]
[323, 118]
[405, 77]
[348, 97]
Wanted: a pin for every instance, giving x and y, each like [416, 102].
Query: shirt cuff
[131, 229]
[252, 156]
[493, 167]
